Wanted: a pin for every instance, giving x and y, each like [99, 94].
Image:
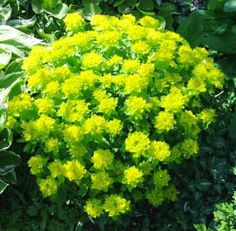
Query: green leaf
[223, 43]
[14, 66]
[215, 5]
[91, 9]
[16, 41]
[10, 177]
[200, 227]
[59, 11]
[146, 5]
[5, 57]
[127, 6]
[167, 7]
[8, 161]
[192, 29]
[118, 3]
[8, 79]
[53, 7]
[3, 186]
[5, 139]
[22, 23]
[5, 13]
[230, 6]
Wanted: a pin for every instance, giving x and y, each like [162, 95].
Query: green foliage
[214, 27]
[224, 217]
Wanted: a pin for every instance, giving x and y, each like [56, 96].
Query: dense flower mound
[108, 107]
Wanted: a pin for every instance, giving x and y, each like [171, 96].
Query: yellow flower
[188, 148]
[136, 106]
[155, 196]
[149, 22]
[207, 116]
[73, 134]
[44, 105]
[94, 125]
[19, 104]
[56, 169]
[114, 126]
[48, 187]
[131, 65]
[91, 60]
[74, 171]
[174, 101]
[159, 150]
[132, 176]
[94, 207]
[161, 178]
[101, 181]
[36, 164]
[164, 121]
[107, 105]
[115, 205]
[102, 159]
[141, 48]
[137, 143]
[74, 22]
[52, 145]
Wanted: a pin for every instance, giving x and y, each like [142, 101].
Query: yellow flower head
[102, 159]
[74, 22]
[132, 176]
[74, 171]
[137, 143]
[115, 205]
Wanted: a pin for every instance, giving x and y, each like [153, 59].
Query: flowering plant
[109, 106]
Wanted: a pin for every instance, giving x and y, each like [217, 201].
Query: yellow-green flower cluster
[108, 106]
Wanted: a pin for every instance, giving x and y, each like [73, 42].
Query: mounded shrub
[106, 109]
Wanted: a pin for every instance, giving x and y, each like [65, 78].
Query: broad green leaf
[59, 11]
[15, 41]
[91, 9]
[10, 177]
[192, 29]
[53, 7]
[5, 57]
[230, 6]
[167, 7]
[146, 5]
[22, 23]
[8, 161]
[12, 49]
[200, 227]
[127, 6]
[14, 66]
[223, 43]
[10, 35]
[119, 2]
[5, 139]
[215, 4]
[3, 186]
[39, 6]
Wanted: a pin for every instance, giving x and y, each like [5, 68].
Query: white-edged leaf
[3, 186]
[5, 57]
[8, 34]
